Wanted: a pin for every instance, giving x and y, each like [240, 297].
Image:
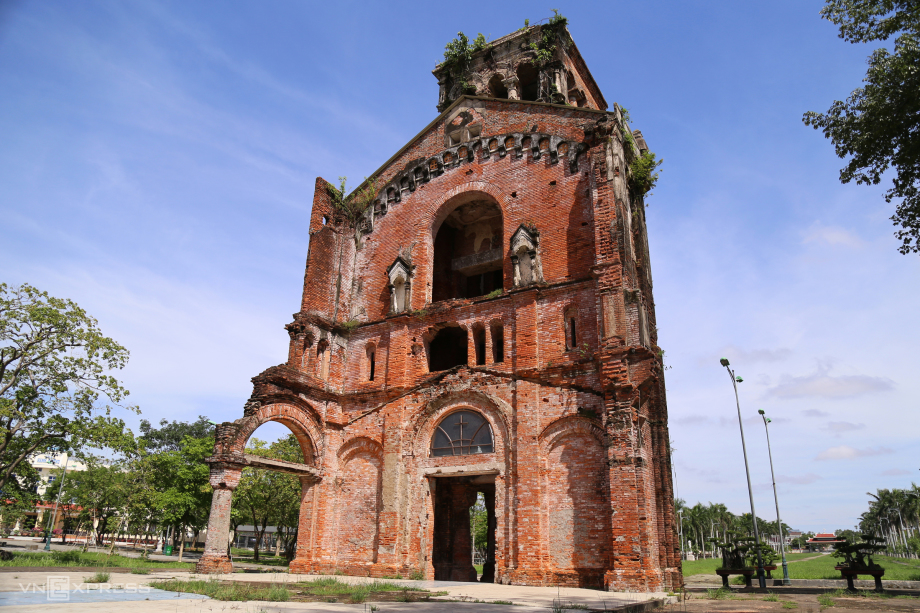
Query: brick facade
[562, 362]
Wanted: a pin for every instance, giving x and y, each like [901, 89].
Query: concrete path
[60, 591]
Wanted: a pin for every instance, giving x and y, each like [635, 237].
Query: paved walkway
[61, 590]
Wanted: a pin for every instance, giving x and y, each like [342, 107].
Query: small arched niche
[468, 249]
[462, 433]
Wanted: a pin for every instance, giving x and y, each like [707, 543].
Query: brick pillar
[488, 567]
[224, 479]
[301, 564]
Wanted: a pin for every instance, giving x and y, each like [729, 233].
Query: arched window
[462, 433]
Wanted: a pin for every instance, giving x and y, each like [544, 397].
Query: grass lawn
[320, 590]
[78, 558]
[263, 559]
[818, 568]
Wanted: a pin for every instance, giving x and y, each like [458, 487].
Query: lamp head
[760, 411]
[739, 379]
[724, 361]
[768, 419]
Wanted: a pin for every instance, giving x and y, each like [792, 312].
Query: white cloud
[798, 479]
[692, 420]
[831, 235]
[895, 472]
[823, 385]
[845, 452]
[738, 356]
[814, 413]
[840, 427]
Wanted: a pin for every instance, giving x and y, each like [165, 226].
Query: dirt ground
[802, 603]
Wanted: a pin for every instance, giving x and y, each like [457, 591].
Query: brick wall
[581, 466]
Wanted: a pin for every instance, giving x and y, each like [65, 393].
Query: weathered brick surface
[580, 471]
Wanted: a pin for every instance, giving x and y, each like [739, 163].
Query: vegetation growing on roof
[350, 208]
[551, 35]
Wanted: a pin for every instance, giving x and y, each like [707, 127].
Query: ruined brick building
[486, 325]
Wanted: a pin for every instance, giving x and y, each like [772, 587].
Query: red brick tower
[485, 326]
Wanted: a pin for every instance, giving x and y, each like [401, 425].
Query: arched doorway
[232, 457]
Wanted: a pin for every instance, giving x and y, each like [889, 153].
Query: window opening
[371, 363]
[498, 343]
[462, 433]
[529, 82]
[479, 342]
[448, 349]
[468, 252]
[497, 88]
[573, 339]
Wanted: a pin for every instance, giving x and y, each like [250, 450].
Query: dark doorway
[453, 545]
[468, 252]
[529, 82]
[447, 349]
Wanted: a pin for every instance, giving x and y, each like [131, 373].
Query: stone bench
[852, 573]
[726, 572]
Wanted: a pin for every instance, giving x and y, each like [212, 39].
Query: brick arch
[359, 495]
[422, 424]
[576, 499]
[445, 204]
[299, 418]
[357, 445]
[555, 432]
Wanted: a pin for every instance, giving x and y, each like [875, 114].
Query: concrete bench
[726, 572]
[852, 573]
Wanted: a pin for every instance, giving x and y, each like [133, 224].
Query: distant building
[46, 464]
[823, 540]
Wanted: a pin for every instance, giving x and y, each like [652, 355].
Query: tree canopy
[877, 126]
[55, 367]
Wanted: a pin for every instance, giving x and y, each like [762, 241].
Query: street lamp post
[779, 522]
[761, 580]
[56, 502]
[681, 515]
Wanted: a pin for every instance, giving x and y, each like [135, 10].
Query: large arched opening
[269, 481]
[468, 249]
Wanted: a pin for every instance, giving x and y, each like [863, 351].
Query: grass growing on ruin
[225, 591]
[76, 558]
[330, 587]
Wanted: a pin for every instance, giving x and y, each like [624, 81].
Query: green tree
[169, 436]
[100, 494]
[267, 497]
[878, 126]
[479, 525]
[54, 377]
[176, 486]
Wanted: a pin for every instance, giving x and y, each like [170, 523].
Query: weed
[218, 591]
[719, 594]
[494, 293]
[100, 577]
[788, 604]
[417, 575]
[770, 597]
[825, 600]
[140, 571]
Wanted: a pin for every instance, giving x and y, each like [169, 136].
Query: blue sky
[158, 159]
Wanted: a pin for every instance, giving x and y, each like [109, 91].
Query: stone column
[303, 559]
[224, 479]
[512, 84]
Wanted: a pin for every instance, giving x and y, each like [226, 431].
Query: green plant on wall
[644, 173]
[352, 207]
[552, 34]
[458, 55]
